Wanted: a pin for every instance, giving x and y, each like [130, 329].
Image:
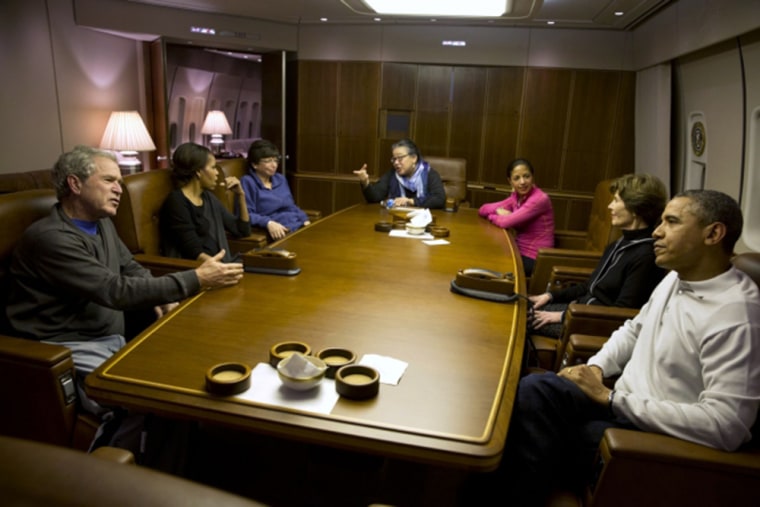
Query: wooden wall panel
[317, 98]
[314, 194]
[399, 87]
[504, 89]
[593, 110]
[358, 110]
[543, 122]
[271, 97]
[468, 104]
[576, 126]
[347, 193]
[621, 156]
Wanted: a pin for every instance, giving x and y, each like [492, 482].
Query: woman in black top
[193, 221]
[626, 273]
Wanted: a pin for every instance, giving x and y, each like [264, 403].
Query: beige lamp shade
[126, 132]
[216, 124]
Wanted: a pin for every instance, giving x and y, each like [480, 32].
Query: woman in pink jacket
[528, 210]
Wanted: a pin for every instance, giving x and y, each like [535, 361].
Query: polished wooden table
[368, 292]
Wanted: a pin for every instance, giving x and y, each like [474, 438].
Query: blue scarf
[416, 182]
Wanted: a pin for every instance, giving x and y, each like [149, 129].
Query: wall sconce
[216, 125]
[126, 134]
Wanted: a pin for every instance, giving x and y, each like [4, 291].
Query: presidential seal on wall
[698, 138]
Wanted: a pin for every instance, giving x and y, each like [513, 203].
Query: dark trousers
[553, 436]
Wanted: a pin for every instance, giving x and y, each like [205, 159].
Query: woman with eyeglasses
[192, 220]
[411, 182]
[528, 211]
[270, 203]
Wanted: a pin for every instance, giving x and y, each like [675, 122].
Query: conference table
[372, 293]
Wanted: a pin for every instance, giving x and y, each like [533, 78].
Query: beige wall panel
[652, 128]
[710, 83]
[580, 49]
[27, 80]
[751, 188]
[245, 33]
[690, 25]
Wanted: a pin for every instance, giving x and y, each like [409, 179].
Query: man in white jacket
[689, 363]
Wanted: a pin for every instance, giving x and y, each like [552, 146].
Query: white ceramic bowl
[301, 383]
[415, 229]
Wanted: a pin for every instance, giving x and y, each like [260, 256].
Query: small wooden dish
[357, 382]
[336, 358]
[383, 226]
[228, 378]
[280, 351]
[439, 232]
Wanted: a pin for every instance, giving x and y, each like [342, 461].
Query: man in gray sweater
[72, 277]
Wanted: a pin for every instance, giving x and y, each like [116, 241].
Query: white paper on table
[420, 217]
[401, 233]
[267, 389]
[390, 369]
[434, 242]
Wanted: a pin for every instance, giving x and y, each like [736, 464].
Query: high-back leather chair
[453, 173]
[137, 220]
[36, 379]
[577, 248]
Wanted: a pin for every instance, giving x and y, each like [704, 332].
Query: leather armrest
[564, 276]
[587, 343]
[115, 455]
[579, 310]
[159, 265]
[256, 239]
[32, 352]
[639, 468]
[313, 214]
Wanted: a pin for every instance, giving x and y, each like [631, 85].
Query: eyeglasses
[268, 160]
[399, 158]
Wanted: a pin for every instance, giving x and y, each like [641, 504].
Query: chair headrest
[749, 262]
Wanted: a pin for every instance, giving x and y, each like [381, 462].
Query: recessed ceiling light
[323, 19]
[471, 8]
[619, 13]
[378, 19]
[550, 22]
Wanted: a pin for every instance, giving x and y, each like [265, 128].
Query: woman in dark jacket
[193, 221]
[626, 273]
[411, 182]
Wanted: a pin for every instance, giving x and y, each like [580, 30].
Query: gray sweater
[68, 285]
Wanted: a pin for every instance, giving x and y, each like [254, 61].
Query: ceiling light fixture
[471, 8]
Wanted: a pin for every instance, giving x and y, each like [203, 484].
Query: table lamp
[126, 134]
[216, 125]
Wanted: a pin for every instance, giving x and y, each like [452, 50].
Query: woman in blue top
[193, 222]
[270, 203]
[411, 182]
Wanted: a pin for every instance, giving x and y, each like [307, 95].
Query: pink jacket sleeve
[490, 208]
[537, 204]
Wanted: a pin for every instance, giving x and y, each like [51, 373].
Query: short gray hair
[79, 162]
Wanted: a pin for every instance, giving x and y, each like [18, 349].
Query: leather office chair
[37, 474]
[36, 379]
[577, 249]
[639, 468]
[453, 173]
